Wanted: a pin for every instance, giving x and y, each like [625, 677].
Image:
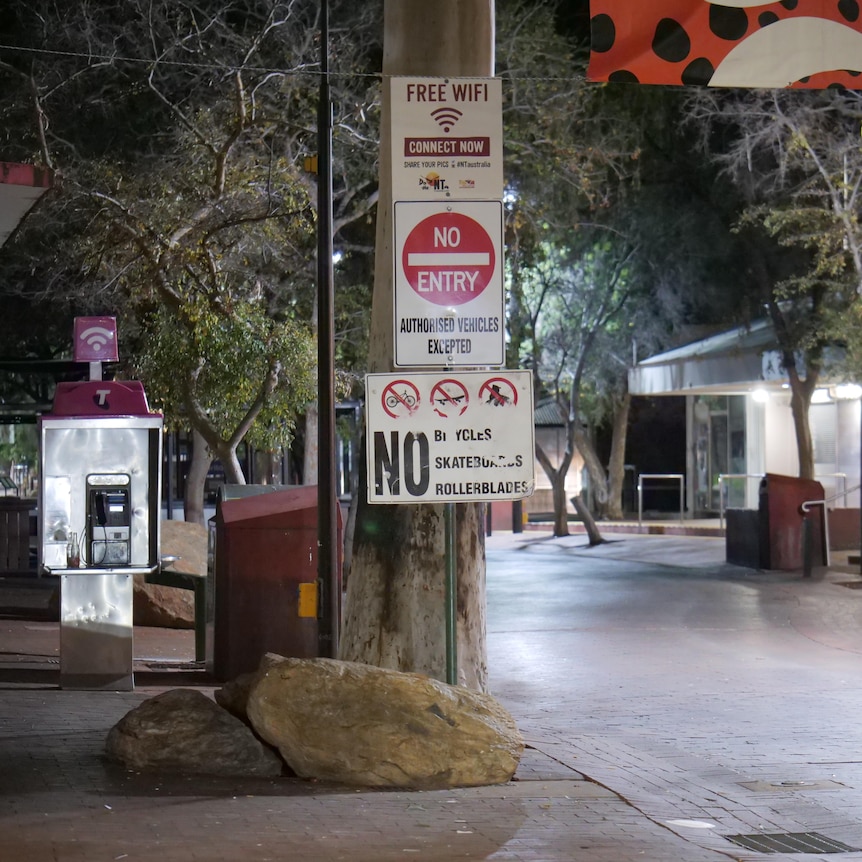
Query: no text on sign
[448, 284]
[468, 436]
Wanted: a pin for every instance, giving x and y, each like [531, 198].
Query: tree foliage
[178, 131]
[794, 160]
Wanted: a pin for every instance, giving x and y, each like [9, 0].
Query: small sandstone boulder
[184, 731]
[188, 542]
[162, 607]
[172, 607]
[366, 726]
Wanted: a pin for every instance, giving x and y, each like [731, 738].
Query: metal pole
[327, 523]
[517, 516]
[169, 476]
[451, 594]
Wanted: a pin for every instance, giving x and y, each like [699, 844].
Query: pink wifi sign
[96, 339]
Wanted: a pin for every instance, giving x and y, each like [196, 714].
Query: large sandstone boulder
[233, 695]
[184, 731]
[365, 726]
[172, 607]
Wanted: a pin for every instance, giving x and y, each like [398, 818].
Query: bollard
[807, 547]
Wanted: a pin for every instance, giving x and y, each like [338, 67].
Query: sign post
[447, 185]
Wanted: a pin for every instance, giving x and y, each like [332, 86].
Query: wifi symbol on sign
[447, 117]
[96, 337]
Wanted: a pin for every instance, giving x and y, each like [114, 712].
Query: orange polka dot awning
[811, 44]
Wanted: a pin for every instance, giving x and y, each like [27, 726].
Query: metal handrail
[641, 476]
[721, 478]
[809, 503]
[843, 478]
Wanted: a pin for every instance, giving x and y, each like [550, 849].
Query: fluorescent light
[761, 396]
[820, 396]
[847, 391]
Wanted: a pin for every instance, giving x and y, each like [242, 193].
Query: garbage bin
[781, 519]
[743, 538]
[264, 587]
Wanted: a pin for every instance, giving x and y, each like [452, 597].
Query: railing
[805, 508]
[641, 476]
[722, 491]
[844, 491]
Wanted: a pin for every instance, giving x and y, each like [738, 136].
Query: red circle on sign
[498, 392]
[400, 403]
[448, 259]
[450, 398]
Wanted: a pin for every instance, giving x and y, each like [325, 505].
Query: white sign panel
[447, 138]
[448, 284]
[450, 437]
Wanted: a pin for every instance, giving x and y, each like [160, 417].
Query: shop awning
[731, 362]
[20, 187]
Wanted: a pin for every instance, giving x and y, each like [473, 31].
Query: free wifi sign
[95, 339]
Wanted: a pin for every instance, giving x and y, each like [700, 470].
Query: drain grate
[790, 842]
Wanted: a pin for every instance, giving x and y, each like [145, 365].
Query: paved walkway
[669, 703]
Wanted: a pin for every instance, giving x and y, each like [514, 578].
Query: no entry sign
[448, 259]
[449, 437]
[448, 284]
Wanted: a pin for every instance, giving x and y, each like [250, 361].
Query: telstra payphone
[100, 452]
[109, 520]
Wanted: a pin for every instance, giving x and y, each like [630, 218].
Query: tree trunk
[199, 465]
[310, 456]
[801, 389]
[557, 477]
[561, 512]
[395, 595]
[394, 612]
[800, 402]
[616, 463]
[586, 516]
[233, 473]
[598, 476]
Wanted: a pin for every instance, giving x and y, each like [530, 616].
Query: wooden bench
[15, 534]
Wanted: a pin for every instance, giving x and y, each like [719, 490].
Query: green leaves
[222, 364]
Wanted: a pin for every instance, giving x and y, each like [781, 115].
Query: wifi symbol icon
[446, 117]
[96, 337]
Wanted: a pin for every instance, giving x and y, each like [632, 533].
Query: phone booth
[99, 516]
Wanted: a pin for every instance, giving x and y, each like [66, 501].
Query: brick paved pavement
[657, 701]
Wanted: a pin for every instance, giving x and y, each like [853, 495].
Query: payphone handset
[109, 520]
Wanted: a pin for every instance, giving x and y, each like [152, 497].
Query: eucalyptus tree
[594, 198]
[394, 611]
[794, 159]
[178, 132]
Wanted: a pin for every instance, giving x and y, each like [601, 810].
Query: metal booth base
[96, 630]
